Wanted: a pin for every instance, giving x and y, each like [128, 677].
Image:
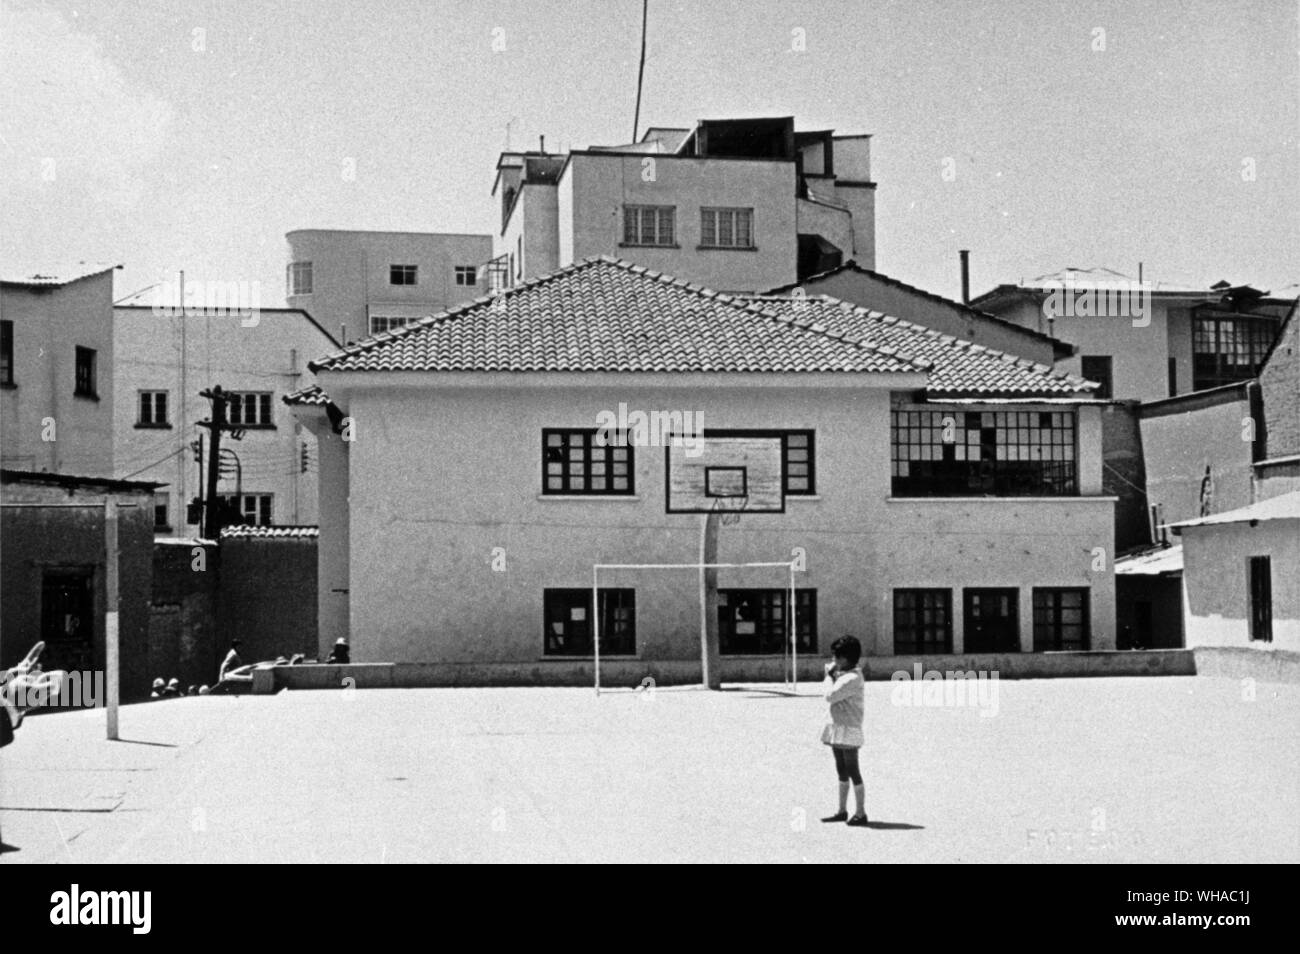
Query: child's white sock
[844, 796]
[860, 796]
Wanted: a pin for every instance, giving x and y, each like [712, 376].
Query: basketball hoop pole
[794, 640]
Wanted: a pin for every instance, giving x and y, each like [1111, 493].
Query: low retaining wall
[1265, 666]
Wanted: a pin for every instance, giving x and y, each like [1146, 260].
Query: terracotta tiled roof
[605, 315]
[261, 533]
[308, 395]
[959, 368]
[57, 275]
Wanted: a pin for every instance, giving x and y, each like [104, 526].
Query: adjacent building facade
[358, 283]
[56, 371]
[1147, 341]
[167, 356]
[735, 205]
[1241, 573]
[947, 498]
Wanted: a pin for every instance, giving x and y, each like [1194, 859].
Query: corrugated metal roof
[54, 275]
[1283, 507]
[1155, 561]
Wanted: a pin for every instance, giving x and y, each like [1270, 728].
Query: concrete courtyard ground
[1092, 770]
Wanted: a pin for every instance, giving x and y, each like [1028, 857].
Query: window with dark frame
[1259, 571]
[726, 228]
[1061, 619]
[161, 519]
[252, 510]
[1173, 376]
[751, 622]
[153, 409]
[567, 621]
[466, 275]
[922, 621]
[381, 323]
[937, 453]
[84, 384]
[1227, 349]
[1099, 368]
[403, 274]
[799, 463]
[249, 408]
[649, 224]
[574, 461]
[6, 352]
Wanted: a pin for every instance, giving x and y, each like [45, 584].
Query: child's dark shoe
[837, 817]
[858, 821]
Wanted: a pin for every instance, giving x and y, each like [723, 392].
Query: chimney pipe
[965, 275]
[543, 145]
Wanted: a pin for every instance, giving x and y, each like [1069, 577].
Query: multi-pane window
[297, 278]
[380, 323]
[727, 228]
[249, 408]
[1060, 619]
[922, 622]
[6, 352]
[466, 275]
[648, 224]
[575, 461]
[567, 615]
[161, 520]
[403, 274]
[250, 509]
[153, 409]
[1259, 572]
[985, 453]
[800, 470]
[84, 383]
[1229, 349]
[753, 622]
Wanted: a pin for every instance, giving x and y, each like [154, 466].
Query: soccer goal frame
[791, 642]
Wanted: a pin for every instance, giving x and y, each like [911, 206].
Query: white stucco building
[357, 283]
[56, 370]
[166, 359]
[732, 204]
[1241, 576]
[947, 497]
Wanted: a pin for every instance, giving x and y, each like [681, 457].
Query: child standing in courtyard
[844, 687]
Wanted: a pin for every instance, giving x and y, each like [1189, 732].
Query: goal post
[790, 637]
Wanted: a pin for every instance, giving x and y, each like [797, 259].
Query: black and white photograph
[651, 432]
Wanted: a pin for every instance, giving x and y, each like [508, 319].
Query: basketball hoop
[730, 516]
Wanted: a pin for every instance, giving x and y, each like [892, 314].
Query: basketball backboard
[727, 471]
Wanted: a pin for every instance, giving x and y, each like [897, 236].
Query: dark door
[992, 621]
[68, 618]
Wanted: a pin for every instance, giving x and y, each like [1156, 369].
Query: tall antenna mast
[640, 75]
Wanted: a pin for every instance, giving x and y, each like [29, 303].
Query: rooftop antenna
[640, 75]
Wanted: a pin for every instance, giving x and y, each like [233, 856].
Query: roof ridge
[959, 342]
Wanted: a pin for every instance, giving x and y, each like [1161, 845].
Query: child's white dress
[845, 695]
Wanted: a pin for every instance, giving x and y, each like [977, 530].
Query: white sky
[167, 157]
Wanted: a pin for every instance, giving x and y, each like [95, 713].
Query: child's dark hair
[849, 648]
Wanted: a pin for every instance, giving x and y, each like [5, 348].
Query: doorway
[991, 620]
[68, 618]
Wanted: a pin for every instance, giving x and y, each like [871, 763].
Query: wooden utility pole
[212, 510]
